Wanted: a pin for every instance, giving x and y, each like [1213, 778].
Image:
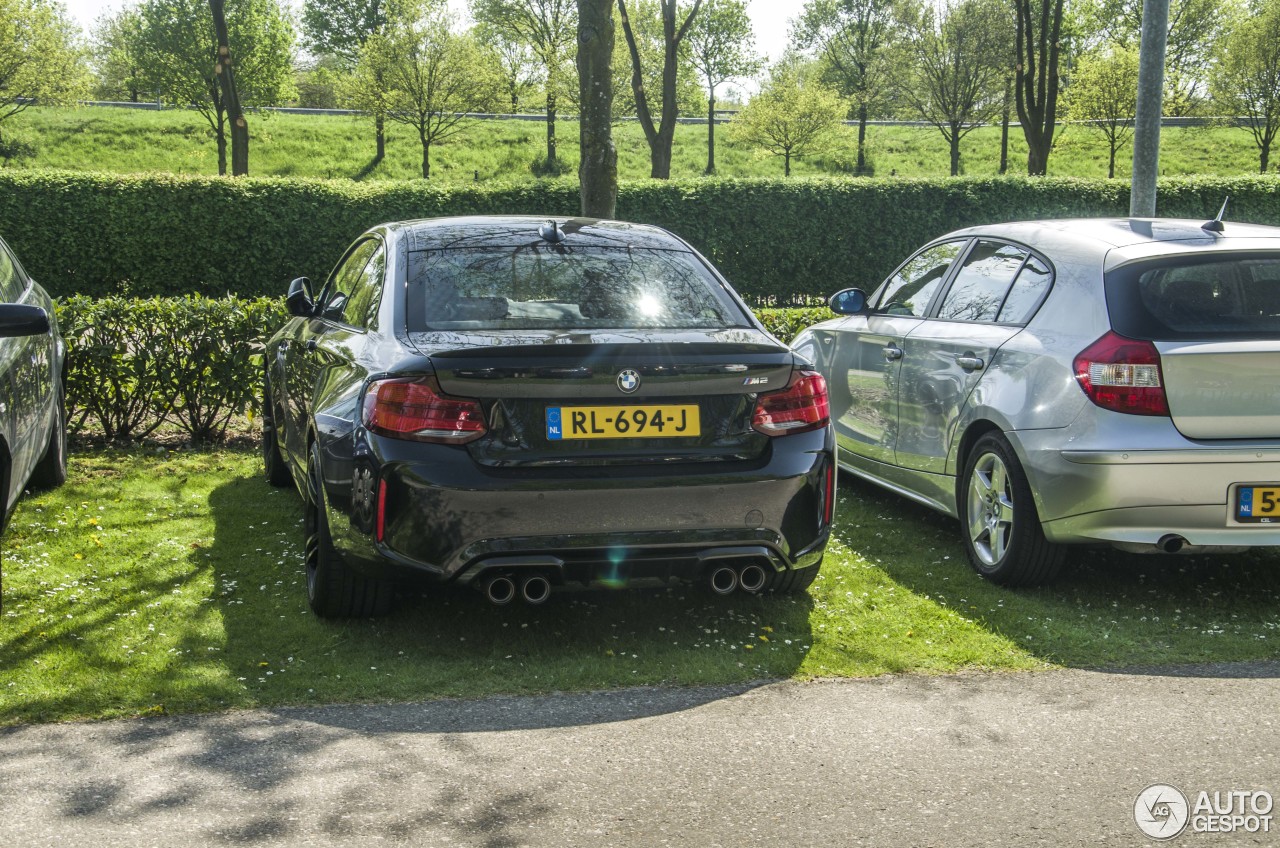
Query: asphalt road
[1055, 758]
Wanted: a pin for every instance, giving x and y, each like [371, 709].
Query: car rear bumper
[1137, 498]
[448, 518]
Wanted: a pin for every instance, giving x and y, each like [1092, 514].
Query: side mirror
[18, 319]
[848, 302]
[299, 301]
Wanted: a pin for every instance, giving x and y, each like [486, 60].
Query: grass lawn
[99, 138]
[172, 582]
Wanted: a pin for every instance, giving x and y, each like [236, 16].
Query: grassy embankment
[130, 141]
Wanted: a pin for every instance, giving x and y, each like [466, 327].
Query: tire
[794, 581]
[333, 589]
[51, 471]
[274, 467]
[1002, 532]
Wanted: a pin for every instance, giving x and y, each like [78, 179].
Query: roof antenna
[551, 232]
[1215, 226]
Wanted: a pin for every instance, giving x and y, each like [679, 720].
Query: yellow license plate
[1260, 504]
[622, 422]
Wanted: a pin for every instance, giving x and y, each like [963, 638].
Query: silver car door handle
[892, 352]
[969, 362]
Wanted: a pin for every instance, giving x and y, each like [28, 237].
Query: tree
[117, 73]
[661, 136]
[517, 65]
[420, 73]
[1247, 81]
[40, 58]
[224, 70]
[794, 115]
[852, 37]
[952, 71]
[178, 54]
[1037, 51]
[650, 42]
[719, 44]
[598, 162]
[1104, 95]
[1194, 29]
[340, 28]
[550, 28]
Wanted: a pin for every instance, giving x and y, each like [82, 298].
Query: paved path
[1053, 758]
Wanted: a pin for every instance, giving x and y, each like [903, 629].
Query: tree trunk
[786, 163]
[1264, 158]
[861, 168]
[1111, 165]
[231, 98]
[380, 128]
[221, 134]
[551, 131]
[711, 131]
[1004, 130]
[1037, 158]
[426, 155]
[598, 165]
[954, 140]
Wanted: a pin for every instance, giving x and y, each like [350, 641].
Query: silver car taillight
[1122, 375]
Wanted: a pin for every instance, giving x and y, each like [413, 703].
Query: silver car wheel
[990, 509]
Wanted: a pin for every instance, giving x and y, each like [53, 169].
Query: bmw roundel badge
[628, 381]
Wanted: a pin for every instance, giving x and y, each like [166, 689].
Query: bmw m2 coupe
[520, 404]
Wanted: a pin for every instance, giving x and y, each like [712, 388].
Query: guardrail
[722, 116]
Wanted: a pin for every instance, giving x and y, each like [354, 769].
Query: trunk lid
[555, 398]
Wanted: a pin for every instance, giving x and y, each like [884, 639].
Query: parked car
[520, 404]
[1054, 383]
[33, 428]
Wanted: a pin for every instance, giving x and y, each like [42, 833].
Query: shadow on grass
[445, 642]
[367, 170]
[1132, 613]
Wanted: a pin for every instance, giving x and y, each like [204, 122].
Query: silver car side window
[982, 282]
[1027, 292]
[911, 289]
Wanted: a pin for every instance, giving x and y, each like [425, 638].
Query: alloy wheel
[990, 509]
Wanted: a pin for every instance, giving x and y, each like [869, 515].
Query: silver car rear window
[1233, 296]
[539, 286]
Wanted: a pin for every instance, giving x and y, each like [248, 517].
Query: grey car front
[1069, 382]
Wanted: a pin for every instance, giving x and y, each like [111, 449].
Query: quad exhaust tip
[500, 590]
[535, 589]
[751, 578]
[724, 580]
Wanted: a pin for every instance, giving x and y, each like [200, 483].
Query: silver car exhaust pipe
[723, 580]
[751, 578]
[500, 590]
[535, 589]
[1171, 543]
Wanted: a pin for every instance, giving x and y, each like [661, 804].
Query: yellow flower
[764, 638]
[263, 665]
[749, 647]
[767, 629]
[79, 556]
[609, 653]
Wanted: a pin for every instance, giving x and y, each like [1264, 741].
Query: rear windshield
[544, 287]
[1205, 297]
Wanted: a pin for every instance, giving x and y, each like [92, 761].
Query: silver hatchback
[1049, 383]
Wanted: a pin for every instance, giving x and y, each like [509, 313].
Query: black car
[519, 404]
[33, 427]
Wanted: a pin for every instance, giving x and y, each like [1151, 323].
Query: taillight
[1122, 375]
[417, 410]
[800, 407]
[829, 493]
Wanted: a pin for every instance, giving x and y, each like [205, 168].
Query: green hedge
[133, 364]
[136, 363]
[99, 234]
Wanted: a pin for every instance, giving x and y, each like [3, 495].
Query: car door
[947, 354]
[303, 358]
[867, 359]
[27, 364]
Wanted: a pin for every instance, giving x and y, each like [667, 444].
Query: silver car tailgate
[1223, 389]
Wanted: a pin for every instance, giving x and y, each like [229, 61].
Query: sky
[769, 18]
